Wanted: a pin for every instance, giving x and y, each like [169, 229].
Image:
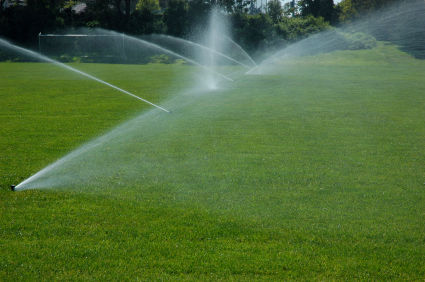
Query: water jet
[36, 55]
[163, 37]
[154, 46]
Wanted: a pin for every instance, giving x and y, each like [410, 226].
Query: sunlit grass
[315, 172]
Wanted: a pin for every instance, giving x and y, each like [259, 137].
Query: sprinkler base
[12, 187]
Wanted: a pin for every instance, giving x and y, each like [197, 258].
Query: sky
[335, 1]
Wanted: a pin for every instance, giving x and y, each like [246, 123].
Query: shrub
[359, 40]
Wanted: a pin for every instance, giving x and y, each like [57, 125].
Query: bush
[358, 41]
[161, 59]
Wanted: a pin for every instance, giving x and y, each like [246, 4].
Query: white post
[39, 43]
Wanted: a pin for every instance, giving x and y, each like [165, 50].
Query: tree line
[260, 25]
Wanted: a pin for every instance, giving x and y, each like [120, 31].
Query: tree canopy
[252, 24]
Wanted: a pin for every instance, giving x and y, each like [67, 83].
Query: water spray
[44, 175]
[210, 50]
[165, 50]
[241, 49]
[47, 59]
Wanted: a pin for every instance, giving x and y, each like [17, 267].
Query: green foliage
[175, 17]
[93, 24]
[290, 9]
[151, 5]
[259, 33]
[398, 22]
[66, 58]
[295, 28]
[346, 11]
[179, 18]
[69, 4]
[254, 30]
[359, 40]
[161, 59]
[274, 8]
[352, 9]
[318, 8]
[146, 21]
[198, 12]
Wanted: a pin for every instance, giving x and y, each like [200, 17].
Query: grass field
[316, 172]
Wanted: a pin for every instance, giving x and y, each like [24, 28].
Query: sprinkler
[12, 187]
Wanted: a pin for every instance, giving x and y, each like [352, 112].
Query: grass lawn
[314, 172]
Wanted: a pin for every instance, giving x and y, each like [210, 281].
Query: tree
[129, 5]
[290, 9]
[198, 12]
[309, 7]
[318, 8]
[227, 5]
[275, 10]
[175, 17]
[351, 9]
[327, 10]
[150, 5]
[146, 18]
[346, 11]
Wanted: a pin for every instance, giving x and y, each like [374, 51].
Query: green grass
[315, 173]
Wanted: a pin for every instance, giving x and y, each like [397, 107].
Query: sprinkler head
[12, 187]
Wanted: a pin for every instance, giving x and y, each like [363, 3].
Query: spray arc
[58, 173]
[47, 59]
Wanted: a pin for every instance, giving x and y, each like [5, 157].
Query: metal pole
[39, 43]
[123, 46]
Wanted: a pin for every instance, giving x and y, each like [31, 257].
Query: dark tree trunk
[118, 6]
[127, 8]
